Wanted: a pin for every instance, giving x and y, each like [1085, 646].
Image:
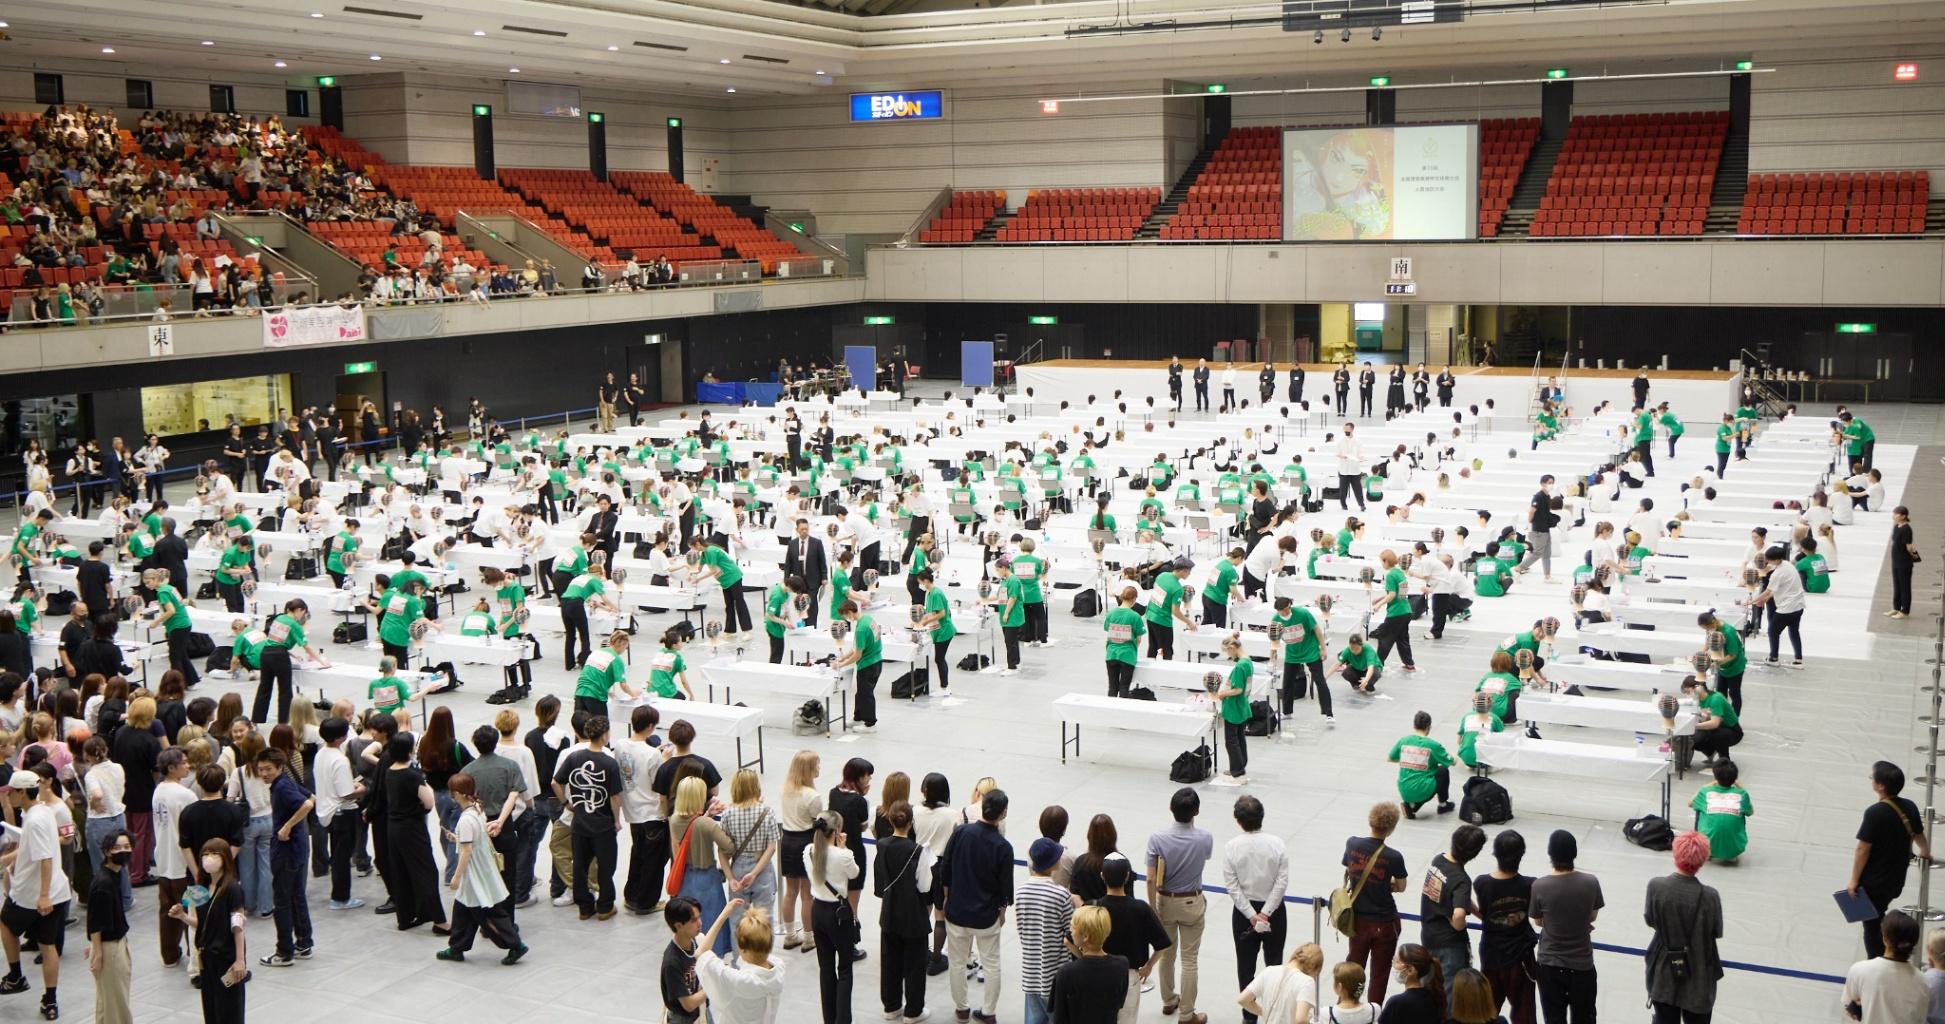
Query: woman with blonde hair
[830, 864]
[1286, 992]
[752, 829]
[197, 748]
[701, 851]
[749, 990]
[797, 810]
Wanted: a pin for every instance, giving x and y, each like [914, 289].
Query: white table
[1178, 675]
[1638, 715]
[474, 650]
[711, 721]
[795, 681]
[1186, 721]
[1667, 616]
[47, 646]
[1511, 751]
[82, 530]
[1577, 670]
[1656, 645]
[1207, 640]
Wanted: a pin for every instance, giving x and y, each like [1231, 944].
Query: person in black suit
[1266, 382]
[172, 556]
[94, 579]
[1421, 388]
[1175, 381]
[604, 525]
[1445, 384]
[635, 397]
[1367, 381]
[793, 437]
[115, 469]
[803, 557]
[236, 458]
[1202, 385]
[331, 440]
[1296, 383]
[368, 432]
[262, 447]
[1641, 388]
[1340, 384]
[1394, 392]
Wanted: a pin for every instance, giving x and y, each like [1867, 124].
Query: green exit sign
[675, 122]
[1380, 81]
[1043, 320]
[797, 226]
[361, 367]
[1215, 87]
[1556, 73]
[328, 81]
[596, 117]
[256, 240]
[1745, 65]
[1856, 328]
[482, 110]
[877, 321]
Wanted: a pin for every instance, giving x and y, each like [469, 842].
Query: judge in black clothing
[115, 469]
[1367, 382]
[172, 556]
[1890, 829]
[262, 447]
[1266, 382]
[1340, 385]
[1445, 383]
[1175, 381]
[94, 579]
[1641, 390]
[603, 524]
[331, 440]
[793, 438]
[1394, 392]
[1296, 383]
[75, 634]
[236, 457]
[1421, 388]
[1202, 385]
[634, 396]
[803, 557]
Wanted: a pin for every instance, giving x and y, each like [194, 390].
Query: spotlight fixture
[612, 49]
[1346, 37]
[479, 31]
[730, 89]
[376, 57]
[280, 64]
[317, 14]
[513, 71]
[725, 60]
[1377, 33]
[1319, 37]
[108, 49]
[209, 42]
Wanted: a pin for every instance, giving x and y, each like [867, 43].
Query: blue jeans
[1037, 1012]
[761, 895]
[705, 886]
[533, 835]
[98, 829]
[253, 866]
[448, 810]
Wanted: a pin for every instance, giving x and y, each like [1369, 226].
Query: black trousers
[648, 856]
[1121, 676]
[1011, 634]
[232, 594]
[1646, 449]
[574, 620]
[1731, 687]
[1444, 777]
[815, 590]
[494, 922]
[834, 945]
[1669, 1013]
[180, 660]
[901, 974]
[1900, 586]
[1253, 587]
[1201, 398]
[1779, 623]
[736, 610]
[776, 650]
[596, 849]
[1350, 485]
[1293, 685]
[1343, 396]
[1236, 745]
[1395, 631]
[402, 653]
[1567, 994]
[1214, 613]
[1364, 401]
[1256, 950]
[942, 660]
[1161, 641]
[1873, 934]
[1441, 608]
[343, 832]
[275, 668]
[1036, 627]
[1718, 741]
[864, 707]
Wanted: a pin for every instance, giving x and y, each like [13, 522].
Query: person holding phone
[217, 924]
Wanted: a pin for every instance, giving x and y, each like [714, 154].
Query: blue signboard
[976, 364]
[862, 360]
[897, 106]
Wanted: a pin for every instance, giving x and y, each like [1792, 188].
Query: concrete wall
[103, 85]
[1716, 273]
[1821, 113]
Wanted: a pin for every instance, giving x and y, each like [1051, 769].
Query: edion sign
[897, 106]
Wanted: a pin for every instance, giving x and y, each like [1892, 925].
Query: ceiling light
[1346, 37]
[1377, 33]
[479, 31]
[3, 24]
[108, 49]
[725, 60]
[612, 49]
[730, 89]
[317, 14]
[820, 71]
[280, 64]
[513, 71]
[376, 57]
[209, 42]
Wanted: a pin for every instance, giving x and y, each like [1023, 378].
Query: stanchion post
[1922, 910]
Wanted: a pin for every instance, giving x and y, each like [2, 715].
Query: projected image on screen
[1377, 183]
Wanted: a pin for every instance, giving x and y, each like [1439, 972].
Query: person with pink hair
[1683, 963]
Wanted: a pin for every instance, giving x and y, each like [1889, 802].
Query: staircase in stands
[1731, 183]
[1165, 210]
[1532, 186]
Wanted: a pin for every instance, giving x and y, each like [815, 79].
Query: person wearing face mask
[220, 945]
[1540, 519]
[108, 931]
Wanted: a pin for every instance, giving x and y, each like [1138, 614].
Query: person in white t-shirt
[748, 989]
[38, 893]
[1287, 991]
[640, 754]
[104, 782]
[171, 871]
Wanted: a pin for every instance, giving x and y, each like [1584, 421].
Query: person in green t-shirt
[1671, 423]
[1324, 548]
[1860, 442]
[1294, 629]
[604, 670]
[1165, 609]
[1124, 628]
[1491, 576]
[1100, 520]
[342, 549]
[235, 566]
[1359, 663]
[389, 692]
[1717, 726]
[666, 668]
[1481, 720]
[1723, 433]
[780, 613]
[1816, 573]
[1234, 708]
[1223, 588]
[1395, 630]
[841, 580]
[1032, 570]
[590, 587]
[1720, 813]
[937, 621]
[1009, 601]
[397, 609]
[1730, 664]
[284, 635]
[478, 621]
[246, 641]
[867, 652]
[509, 598]
[171, 611]
[1424, 768]
[1502, 685]
[1644, 437]
[718, 564]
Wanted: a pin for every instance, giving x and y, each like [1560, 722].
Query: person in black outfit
[75, 633]
[1904, 555]
[1367, 382]
[1202, 385]
[588, 782]
[1421, 388]
[1445, 384]
[793, 438]
[221, 949]
[94, 579]
[1296, 383]
[1884, 841]
[803, 557]
[604, 525]
[100, 654]
[172, 556]
[1175, 381]
[108, 922]
[1394, 391]
[368, 433]
[236, 457]
[1641, 389]
[415, 876]
[331, 440]
[904, 884]
[847, 798]
[16, 655]
[1090, 988]
[262, 447]
[1340, 385]
[1135, 933]
[634, 396]
[1266, 382]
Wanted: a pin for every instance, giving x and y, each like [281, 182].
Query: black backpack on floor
[1650, 832]
[974, 662]
[1192, 766]
[1140, 693]
[1087, 604]
[902, 688]
[1263, 719]
[1485, 802]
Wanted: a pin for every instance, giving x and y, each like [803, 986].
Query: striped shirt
[1043, 911]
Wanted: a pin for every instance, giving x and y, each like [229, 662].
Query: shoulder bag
[1343, 916]
[679, 868]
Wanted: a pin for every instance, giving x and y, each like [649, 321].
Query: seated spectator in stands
[592, 279]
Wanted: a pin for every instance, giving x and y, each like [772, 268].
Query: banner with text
[1379, 183]
[313, 325]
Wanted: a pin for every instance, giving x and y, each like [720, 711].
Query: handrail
[486, 237]
[925, 216]
[267, 256]
[808, 244]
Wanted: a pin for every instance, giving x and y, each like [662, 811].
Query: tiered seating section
[1504, 146]
[963, 216]
[446, 191]
[1239, 193]
[1633, 174]
[368, 241]
[740, 237]
[1080, 215]
[1846, 203]
[618, 221]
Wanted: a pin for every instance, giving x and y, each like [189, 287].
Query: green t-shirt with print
[1161, 603]
[1029, 569]
[1469, 729]
[662, 670]
[935, 601]
[1297, 632]
[1013, 607]
[1125, 629]
[603, 671]
[1419, 759]
[1235, 708]
[1721, 814]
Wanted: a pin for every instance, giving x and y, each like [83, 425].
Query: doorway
[353, 391]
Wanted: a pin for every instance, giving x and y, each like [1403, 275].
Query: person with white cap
[38, 893]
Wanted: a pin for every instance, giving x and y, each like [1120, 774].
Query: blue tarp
[736, 393]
